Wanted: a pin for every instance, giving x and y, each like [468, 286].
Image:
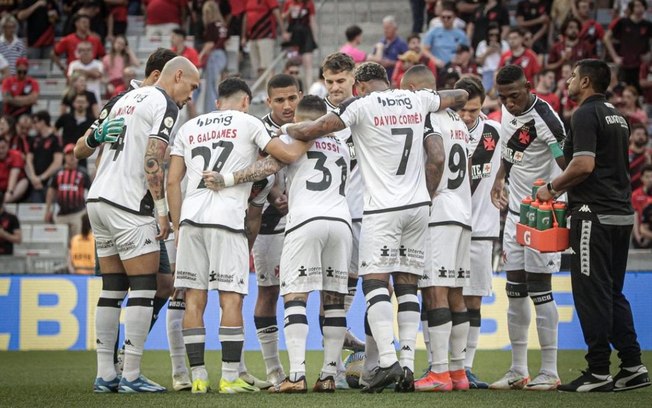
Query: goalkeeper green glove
[107, 132]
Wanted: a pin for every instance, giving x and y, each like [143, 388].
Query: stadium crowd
[481, 55]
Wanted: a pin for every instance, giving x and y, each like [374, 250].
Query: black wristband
[550, 189]
[91, 142]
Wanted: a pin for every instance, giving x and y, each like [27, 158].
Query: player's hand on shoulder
[213, 180]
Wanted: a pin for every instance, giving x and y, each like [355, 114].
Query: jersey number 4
[205, 153]
[327, 176]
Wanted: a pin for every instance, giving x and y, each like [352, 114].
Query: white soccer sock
[426, 333]
[352, 286]
[370, 348]
[242, 367]
[547, 321]
[174, 321]
[195, 343]
[334, 331]
[459, 335]
[138, 318]
[472, 339]
[439, 329]
[107, 322]
[379, 315]
[267, 333]
[408, 322]
[232, 339]
[296, 334]
[518, 324]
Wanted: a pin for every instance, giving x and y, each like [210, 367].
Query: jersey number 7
[408, 133]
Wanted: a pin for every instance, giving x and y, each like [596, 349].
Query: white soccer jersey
[452, 204]
[120, 180]
[528, 142]
[354, 183]
[387, 129]
[484, 148]
[222, 141]
[272, 221]
[316, 183]
[260, 190]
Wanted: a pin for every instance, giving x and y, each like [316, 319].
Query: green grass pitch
[65, 378]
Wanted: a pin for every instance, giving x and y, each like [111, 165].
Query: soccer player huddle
[393, 183]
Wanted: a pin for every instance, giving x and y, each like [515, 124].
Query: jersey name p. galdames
[222, 141]
[452, 204]
[387, 129]
[484, 148]
[354, 183]
[530, 143]
[316, 183]
[120, 181]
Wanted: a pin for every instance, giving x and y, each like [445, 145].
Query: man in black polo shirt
[599, 195]
[9, 229]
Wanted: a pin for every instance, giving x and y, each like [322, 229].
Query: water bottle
[525, 208]
[544, 217]
[535, 187]
[532, 214]
[559, 208]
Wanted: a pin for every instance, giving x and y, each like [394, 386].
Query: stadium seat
[52, 234]
[26, 230]
[31, 213]
[52, 88]
[41, 104]
[46, 264]
[12, 264]
[40, 68]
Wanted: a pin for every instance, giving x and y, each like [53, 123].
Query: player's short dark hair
[473, 86]
[598, 73]
[282, 81]
[371, 71]
[517, 30]
[449, 5]
[338, 62]
[42, 115]
[158, 59]
[352, 32]
[180, 32]
[312, 104]
[231, 86]
[509, 74]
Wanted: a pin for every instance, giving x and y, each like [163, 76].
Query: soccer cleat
[510, 381]
[459, 380]
[382, 377]
[276, 376]
[200, 386]
[627, 379]
[474, 382]
[290, 387]
[436, 382]
[587, 382]
[543, 382]
[181, 381]
[255, 382]
[101, 386]
[406, 383]
[327, 385]
[352, 343]
[425, 372]
[341, 381]
[239, 386]
[140, 384]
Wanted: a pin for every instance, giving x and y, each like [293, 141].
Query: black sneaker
[629, 380]
[383, 377]
[587, 382]
[406, 383]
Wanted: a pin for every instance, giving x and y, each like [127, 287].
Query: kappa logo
[406, 348]
[128, 343]
[148, 241]
[302, 271]
[585, 208]
[331, 364]
[513, 122]
[97, 341]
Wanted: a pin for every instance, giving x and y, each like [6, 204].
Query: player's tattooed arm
[311, 130]
[255, 172]
[435, 158]
[453, 98]
[154, 171]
